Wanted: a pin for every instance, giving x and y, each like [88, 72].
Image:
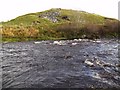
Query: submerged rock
[37, 42]
[89, 62]
[59, 43]
[74, 43]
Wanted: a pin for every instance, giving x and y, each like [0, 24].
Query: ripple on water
[47, 64]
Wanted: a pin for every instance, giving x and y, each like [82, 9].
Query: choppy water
[71, 63]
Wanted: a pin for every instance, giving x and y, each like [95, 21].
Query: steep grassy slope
[59, 24]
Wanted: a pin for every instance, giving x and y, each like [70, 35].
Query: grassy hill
[59, 24]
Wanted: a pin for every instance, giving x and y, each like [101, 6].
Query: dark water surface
[70, 63]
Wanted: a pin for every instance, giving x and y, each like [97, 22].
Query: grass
[71, 24]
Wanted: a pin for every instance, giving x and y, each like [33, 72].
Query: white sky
[13, 8]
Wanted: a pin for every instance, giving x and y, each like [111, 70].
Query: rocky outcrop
[52, 16]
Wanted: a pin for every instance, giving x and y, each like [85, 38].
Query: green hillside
[59, 24]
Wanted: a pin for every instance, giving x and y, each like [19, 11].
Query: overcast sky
[13, 8]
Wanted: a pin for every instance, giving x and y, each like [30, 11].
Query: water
[40, 64]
